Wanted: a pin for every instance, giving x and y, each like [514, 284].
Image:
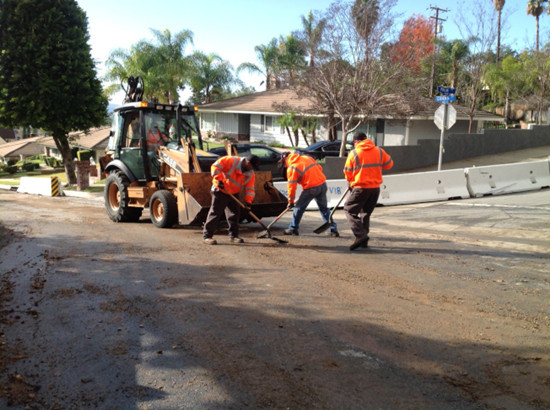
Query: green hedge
[10, 169]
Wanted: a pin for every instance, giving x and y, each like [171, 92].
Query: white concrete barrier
[49, 186]
[508, 178]
[335, 190]
[423, 187]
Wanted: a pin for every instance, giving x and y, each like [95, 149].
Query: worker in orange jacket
[304, 170]
[229, 175]
[363, 171]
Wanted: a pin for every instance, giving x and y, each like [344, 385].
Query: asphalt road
[448, 309]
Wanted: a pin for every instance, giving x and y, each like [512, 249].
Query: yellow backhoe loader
[152, 162]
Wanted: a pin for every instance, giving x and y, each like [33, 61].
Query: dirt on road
[448, 309]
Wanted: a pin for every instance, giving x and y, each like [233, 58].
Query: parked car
[205, 158]
[269, 157]
[323, 149]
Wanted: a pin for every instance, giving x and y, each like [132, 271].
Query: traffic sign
[439, 117]
[445, 99]
[446, 90]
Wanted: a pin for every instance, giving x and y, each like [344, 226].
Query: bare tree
[477, 26]
[352, 83]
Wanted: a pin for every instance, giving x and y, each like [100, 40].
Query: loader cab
[140, 128]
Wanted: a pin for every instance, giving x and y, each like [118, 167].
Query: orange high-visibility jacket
[303, 170]
[364, 165]
[155, 139]
[228, 170]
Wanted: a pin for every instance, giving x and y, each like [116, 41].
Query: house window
[208, 121]
[268, 123]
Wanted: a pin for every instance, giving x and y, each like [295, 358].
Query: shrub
[28, 166]
[10, 169]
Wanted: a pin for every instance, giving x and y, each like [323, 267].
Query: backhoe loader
[152, 162]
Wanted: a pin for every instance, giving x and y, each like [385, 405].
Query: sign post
[445, 116]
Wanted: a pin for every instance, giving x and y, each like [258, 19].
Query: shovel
[326, 225]
[267, 233]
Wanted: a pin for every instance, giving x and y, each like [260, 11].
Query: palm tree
[366, 14]
[210, 74]
[499, 4]
[171, 64]
[535, 9]
[162, 65]
[291, 59]
[268, 55]
[458, 51]
[312, 35]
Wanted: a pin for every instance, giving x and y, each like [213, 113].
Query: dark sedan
[323, 149]
[269, 157]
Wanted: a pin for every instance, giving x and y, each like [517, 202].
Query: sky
[232, 28]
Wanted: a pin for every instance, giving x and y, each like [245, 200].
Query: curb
[96, 196]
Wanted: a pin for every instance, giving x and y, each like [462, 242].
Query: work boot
[334, 234]
[236, 239]
[359, 242]
[209, 241]
[291, 232]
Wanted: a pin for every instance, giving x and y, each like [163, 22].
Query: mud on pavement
[449, 308]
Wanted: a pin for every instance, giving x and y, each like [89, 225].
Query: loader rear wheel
[117, 199]
[164, 209]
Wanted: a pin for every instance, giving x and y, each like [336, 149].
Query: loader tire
[164, 209]
[117, 200]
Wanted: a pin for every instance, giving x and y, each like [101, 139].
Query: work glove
[290, 205]
[221, 185]
[248, 206]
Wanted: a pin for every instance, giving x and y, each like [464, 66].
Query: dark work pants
[222, 204]
[359, 207]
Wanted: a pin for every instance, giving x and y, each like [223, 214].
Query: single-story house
[95, 140]
[21, 149]
[254, 118]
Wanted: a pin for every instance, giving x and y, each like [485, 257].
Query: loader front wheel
[117, 199]
[164, 209]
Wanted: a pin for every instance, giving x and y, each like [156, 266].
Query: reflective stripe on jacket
[364, 165]
[303, 170]
[228, 170]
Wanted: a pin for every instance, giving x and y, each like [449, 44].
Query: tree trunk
[498, 36]
[537, 39]
[305, 138]
[507, 108]
[62, 144]
[289, 135]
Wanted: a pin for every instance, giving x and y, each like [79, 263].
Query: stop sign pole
[444, 117]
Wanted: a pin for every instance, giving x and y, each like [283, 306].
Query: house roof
[264, 102]
[95, 138]
[276, 102]
[27, 146]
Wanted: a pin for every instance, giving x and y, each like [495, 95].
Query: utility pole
[436, 19]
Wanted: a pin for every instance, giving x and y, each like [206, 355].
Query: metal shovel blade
[326, 225]
[322, 228]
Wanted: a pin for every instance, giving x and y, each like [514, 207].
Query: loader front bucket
[194, 197]
[268, 200]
